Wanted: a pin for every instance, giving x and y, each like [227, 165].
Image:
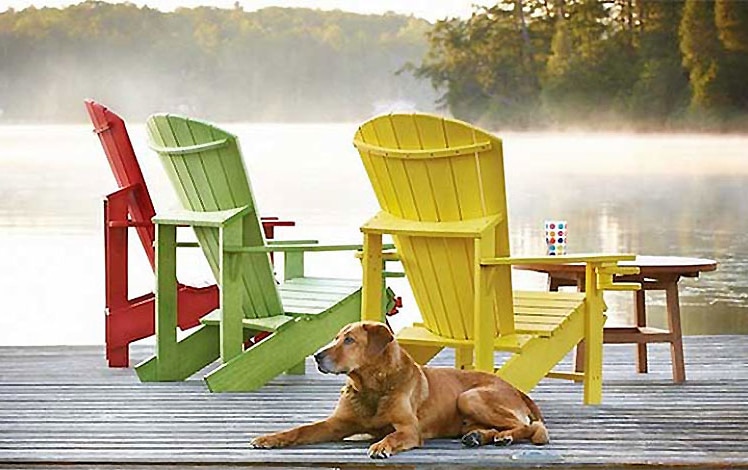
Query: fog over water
[649, 194]
[431, 10]
[233, 64]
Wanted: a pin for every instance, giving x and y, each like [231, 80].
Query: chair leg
[580, 352]
[593, 357]
[371, 293]
[118, 357]
[463, 358]
[230, 294]
[484, 322]
[192, 353]
[115, 276]
[167, 355]
[174, 360]
[641, 320]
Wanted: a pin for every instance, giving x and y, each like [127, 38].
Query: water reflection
[656, 195]
[658, 215]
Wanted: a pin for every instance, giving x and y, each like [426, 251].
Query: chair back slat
[431, 169]
[205, 167]
[115, 140]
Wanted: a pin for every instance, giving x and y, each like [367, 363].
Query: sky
[429, 9]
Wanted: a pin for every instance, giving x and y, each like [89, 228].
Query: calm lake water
[649, 194]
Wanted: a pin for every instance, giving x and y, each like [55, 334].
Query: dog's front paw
[380, 450]
[270, 441]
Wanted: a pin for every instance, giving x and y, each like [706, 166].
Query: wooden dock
[62, 406]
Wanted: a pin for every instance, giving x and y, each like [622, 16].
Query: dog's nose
[319, 356]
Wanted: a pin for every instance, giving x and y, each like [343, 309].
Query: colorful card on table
[555, 236]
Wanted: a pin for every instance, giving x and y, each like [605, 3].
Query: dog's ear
[378, 337]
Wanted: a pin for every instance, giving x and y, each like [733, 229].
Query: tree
[593, 61]
[731, 18]
[488, 64]
[588, 70]
[731, 21]
[661, 89]
[272, 64]
[703, 57]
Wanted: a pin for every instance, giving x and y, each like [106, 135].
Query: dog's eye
[348, 340]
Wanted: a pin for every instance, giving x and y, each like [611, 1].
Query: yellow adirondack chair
[440, 185]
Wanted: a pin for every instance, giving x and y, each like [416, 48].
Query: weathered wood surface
[63, 405]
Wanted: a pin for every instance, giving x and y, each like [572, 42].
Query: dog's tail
[539, 431]
[535, 414]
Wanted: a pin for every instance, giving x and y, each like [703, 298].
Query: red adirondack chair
[129, 320]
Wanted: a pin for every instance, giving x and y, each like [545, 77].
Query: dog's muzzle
[324, 364]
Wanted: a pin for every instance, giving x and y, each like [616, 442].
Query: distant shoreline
[738, 129]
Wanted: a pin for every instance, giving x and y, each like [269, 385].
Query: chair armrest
[292, 242]
[122, 192]
[127, 224]
[605, 272]
[117, 213]
[275, 222]
[200, 219]
[386, 223]
[563, 259]
[387, 254]
[292, 248]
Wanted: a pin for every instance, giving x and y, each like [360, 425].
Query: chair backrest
[118, 149]
[205, 167]
[431, 169]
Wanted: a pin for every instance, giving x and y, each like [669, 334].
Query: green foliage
[648, 63]
[731, 19]
[714, 43]
[589, 63]
[273, 64]
[488, 63]
[661, 88]
[702, 54]
[519, 63]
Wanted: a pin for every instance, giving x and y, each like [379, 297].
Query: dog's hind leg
[480, 435]
[490, 423]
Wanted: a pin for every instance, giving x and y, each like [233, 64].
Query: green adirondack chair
[206, 169]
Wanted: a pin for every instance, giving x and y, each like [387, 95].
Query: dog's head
[355, 346]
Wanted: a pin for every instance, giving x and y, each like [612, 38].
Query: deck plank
[62, 406]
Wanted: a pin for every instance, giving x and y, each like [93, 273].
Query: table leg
[579, 357]
[553, 284]
[641, 320]
[673, 319]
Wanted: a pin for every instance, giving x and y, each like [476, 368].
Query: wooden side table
[655, 273]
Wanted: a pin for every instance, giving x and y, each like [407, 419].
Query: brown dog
[400, 403]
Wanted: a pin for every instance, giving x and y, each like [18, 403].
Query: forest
[521, 64]
[275, 64]
[636, 64]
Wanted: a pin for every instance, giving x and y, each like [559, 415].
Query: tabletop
[648, 266]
